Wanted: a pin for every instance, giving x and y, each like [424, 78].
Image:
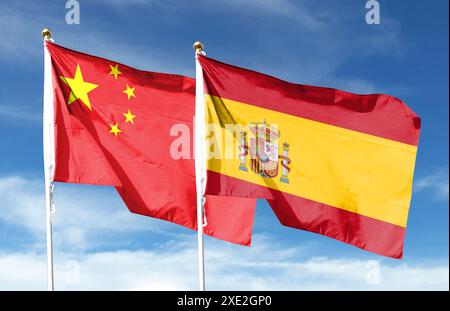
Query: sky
[100, 245]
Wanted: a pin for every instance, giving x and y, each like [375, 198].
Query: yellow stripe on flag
[354, 171]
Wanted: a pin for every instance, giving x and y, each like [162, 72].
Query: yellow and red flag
[112, 125]
[327, 161]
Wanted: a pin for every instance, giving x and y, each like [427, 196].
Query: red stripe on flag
[361, 231]
[374, 114]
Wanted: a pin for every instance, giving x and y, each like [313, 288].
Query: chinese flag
[328, 161]
[118, 126]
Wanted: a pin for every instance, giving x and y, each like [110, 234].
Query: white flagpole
[49, 154]
[200, 160]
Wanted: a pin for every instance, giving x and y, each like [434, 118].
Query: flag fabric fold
[328, 161]
[116, 126]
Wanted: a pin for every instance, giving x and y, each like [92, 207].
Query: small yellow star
[130, 91]
[115, 71]
[129, 117]
[115, 129]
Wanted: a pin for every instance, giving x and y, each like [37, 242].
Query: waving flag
[328, 161]
[115, 125]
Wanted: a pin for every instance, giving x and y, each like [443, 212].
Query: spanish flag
[328, 161]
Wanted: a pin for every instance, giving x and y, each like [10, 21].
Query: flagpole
[49, 154]
[200, 160]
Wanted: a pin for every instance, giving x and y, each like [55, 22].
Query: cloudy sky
[100, 245]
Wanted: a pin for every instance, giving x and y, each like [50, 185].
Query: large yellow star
[114, 129]
[129, 91]
[79, 88]
[129, 117]
[115, 71]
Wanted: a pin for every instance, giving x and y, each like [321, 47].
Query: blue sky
[100, 245]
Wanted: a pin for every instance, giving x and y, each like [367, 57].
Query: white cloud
[294, 10]
[336, 37]
[122, 3]
[358, 86]
[83, 213]
[325, 41]
[17, 113]
[297, 11]
[328, 40]
[436, 184]
[23, 43]
[174, 267]
[89, 225]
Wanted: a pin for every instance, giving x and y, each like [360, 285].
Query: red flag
[113, 126]
[328, 161]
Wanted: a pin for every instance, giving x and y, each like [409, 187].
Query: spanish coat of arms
[264, 151]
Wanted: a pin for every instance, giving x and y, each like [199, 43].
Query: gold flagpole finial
[46, 34]
[198, 47]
